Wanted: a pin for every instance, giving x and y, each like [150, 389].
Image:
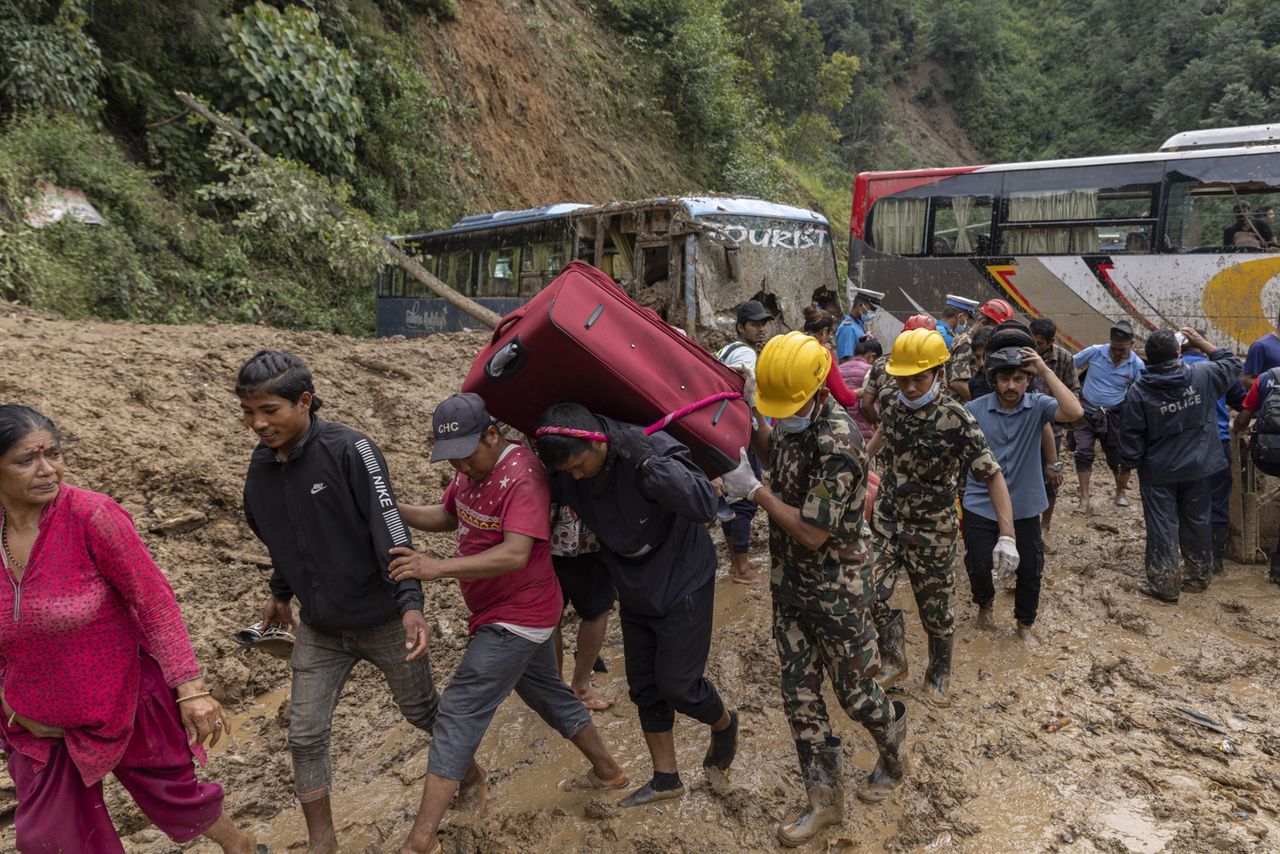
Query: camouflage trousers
[932, 575]
[813, 644]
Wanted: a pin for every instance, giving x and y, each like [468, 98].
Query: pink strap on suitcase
[648, 431]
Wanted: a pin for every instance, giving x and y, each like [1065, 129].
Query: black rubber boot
[938, 675]
[893, 650]
[892, 742]
[723, 747]
[1219, 547]
[820, 768]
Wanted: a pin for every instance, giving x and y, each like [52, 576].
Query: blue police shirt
[1014, 437]
[944, 329]
[847, 335]
[1106, 384]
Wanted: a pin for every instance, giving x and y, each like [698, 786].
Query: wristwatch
[1055, 466]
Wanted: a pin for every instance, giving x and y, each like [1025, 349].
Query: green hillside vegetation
[785, 99]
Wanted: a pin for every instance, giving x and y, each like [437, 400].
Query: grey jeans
[496, 663]
[321, 664]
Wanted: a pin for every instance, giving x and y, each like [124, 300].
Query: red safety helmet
[997, 310]
[919, 321]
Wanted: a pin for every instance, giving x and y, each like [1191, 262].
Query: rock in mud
[184, 522]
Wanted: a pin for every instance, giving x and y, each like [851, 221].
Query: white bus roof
[1198, 140]
[744, 206]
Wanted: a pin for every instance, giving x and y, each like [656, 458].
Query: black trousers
[666, 657]
[980, 536]
[738, 532]
[1177, 516]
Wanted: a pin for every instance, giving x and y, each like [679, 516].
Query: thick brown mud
[1069, 744]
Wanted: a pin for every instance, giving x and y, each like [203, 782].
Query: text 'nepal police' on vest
[929, 442]
[821, 581]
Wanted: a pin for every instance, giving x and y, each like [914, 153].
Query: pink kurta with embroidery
[70, 631]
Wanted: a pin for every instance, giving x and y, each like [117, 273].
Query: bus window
[898, 225]
[961, 226]
[498, 273]
[539, 264]
[455, 271]
[1220, 204]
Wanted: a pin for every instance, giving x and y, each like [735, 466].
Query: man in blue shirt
[1013, 421]
[1264, 354]
[1112, 368]
[854, 325]
[1220, 483]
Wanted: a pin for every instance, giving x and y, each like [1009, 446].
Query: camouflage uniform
[961, 360]
[821, 600]
[927, 452]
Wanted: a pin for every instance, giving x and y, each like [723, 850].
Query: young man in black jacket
[319, 497]
[1169, 433]
[648, 505]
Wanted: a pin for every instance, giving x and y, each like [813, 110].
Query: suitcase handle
[507, 362]
[507, 321]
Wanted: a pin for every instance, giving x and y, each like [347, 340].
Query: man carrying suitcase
[648, 505]
[821, 581]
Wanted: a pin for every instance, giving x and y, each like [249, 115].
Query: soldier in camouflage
[879, 386]
[821, 580]
[992, 313]
[927, 441]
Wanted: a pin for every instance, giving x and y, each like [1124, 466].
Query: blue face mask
[868, 316]
[921, 401]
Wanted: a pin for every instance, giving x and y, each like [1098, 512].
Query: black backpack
[1265, 449]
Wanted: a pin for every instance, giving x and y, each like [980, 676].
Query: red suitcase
[583, 339]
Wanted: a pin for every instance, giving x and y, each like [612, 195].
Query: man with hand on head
[1013, 421]
[821, 580]
[499, 504]
[649, 505]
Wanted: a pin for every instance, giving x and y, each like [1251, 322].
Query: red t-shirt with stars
[514, 497]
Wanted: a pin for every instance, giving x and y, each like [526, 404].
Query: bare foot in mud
[473, 792]
[748, 576]
[592, 699]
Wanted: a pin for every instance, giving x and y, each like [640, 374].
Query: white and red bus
[1148, 237]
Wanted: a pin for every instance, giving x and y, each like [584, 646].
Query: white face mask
[796, 423]
[923, 400]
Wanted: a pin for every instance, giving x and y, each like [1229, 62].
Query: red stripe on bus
[870, 186]
[1003, 274]
[1102, 270]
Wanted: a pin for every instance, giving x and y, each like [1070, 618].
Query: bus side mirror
[733, 261]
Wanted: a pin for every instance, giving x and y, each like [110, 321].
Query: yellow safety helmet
[790, 370]
[916, 351]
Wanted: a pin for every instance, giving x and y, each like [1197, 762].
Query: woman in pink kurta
[98, 673]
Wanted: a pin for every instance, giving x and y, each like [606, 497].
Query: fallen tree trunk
[398, 257]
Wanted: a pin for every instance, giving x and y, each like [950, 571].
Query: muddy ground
[150, 420]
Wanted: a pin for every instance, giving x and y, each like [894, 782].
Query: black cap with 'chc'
[457, 425]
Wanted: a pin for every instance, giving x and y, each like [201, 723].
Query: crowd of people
[967, 414]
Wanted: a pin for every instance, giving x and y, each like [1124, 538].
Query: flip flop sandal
[646, 794]
[591, 781]
[274, 641]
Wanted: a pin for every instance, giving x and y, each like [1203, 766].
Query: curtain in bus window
[1038, 207]
[962, 207]
[897, 226]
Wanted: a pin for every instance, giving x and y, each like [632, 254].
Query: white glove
[742, 481]
[748, 384]
[1004, 556]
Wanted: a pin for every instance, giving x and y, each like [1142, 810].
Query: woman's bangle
[11, 717]
[193, 696]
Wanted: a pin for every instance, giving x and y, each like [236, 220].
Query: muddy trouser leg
[495, 662]
[738, 532]
[801, 662]
[410, 681]
[1026, 595]
[542, 690]
[1195, 534]
[666, 657]
[1160, 511]
[849, 655]
[1084, 438]
[1220, 515]
[933, 577]
[980, 535]
[321, 664]
[885, 557]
